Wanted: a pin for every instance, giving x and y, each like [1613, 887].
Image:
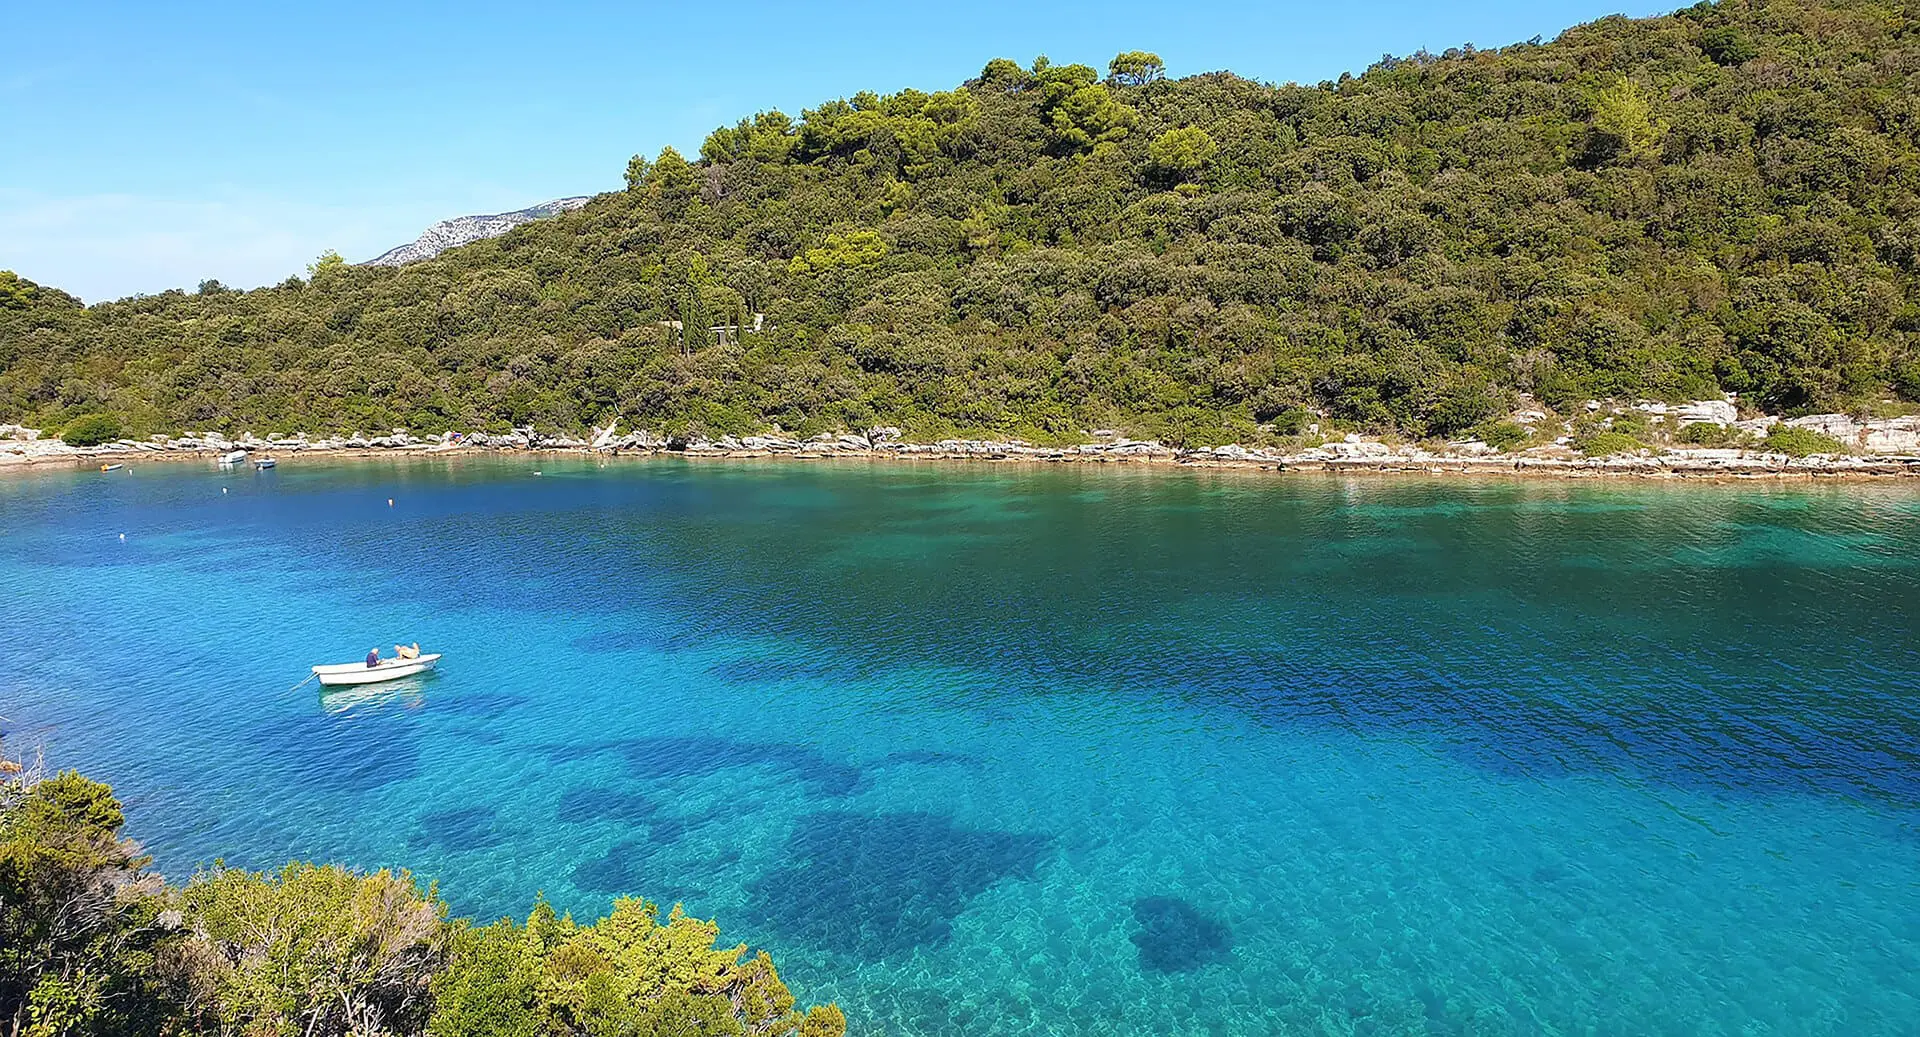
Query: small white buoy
[536, 473]
[389, 502]
[223, 489]
[123, 538]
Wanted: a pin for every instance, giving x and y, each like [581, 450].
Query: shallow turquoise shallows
[1014, 750]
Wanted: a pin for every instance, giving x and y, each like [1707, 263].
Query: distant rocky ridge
[462, 230]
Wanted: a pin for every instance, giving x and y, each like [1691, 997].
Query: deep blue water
[1010, 750]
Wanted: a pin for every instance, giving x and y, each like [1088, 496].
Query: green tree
[1136, 68]
[328, 264]
[1182, 152]
[637, 169]
[1004, 74]
[16, 291]
[1727, 45]
[1623, 121]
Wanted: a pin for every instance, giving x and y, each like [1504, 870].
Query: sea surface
[993, 750]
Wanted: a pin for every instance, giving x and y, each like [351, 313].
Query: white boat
[385, 670]
[233, 457]
[264, 463]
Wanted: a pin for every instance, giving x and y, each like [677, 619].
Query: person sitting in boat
[411, 651]
[373, 657]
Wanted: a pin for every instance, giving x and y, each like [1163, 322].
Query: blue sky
[148, 146]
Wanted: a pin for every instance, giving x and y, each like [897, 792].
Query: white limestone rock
[463, 230]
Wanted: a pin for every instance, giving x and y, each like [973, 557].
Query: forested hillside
[1724, 199]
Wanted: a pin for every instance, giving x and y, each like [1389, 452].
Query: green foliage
[637, 169]
[312, 949]
[1004, 74]
[1800, 442]
[1136, 68]
[1607, 444]
[1624, 125]
[1501, 435]
[90, 944]
[1080, 110]
[75, 932]
[859, 248]
[1633, 423]
[1707, 433]
[1727, 45]
[328, 264]
[627, 974]
[16, 293]
[91, 430]
[1625, 212]
[1184, 151]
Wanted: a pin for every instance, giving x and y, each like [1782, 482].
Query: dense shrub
[1800, 442]
[91, 430]
[91, 944]
[1607, 444]
[1501, 435]
[1707, 433]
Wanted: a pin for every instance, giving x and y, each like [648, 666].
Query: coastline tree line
[91, 943]
[1725, 199]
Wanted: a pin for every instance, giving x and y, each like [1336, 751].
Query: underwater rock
[586, 803]
[877, 886]
[462, 828]
[1175, 937]
[620, 871]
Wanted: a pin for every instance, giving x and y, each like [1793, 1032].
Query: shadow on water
[1740, 738]
[873, 886]
[932, 758]
[583, 804]
[1174, 936]
[625, 869]
[775, 671]
[462, 828]
[349, 752]
[701, 755]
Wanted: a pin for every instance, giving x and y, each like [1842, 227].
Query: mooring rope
[300, 685]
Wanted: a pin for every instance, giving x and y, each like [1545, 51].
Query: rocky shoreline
[1351, 455]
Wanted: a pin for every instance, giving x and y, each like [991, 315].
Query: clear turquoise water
[994, 750]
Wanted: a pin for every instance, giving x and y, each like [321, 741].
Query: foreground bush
[626, 974]
[77, 917]
[307, 950]
[91, 944]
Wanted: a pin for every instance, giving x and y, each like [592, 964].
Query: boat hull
[360, 673]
